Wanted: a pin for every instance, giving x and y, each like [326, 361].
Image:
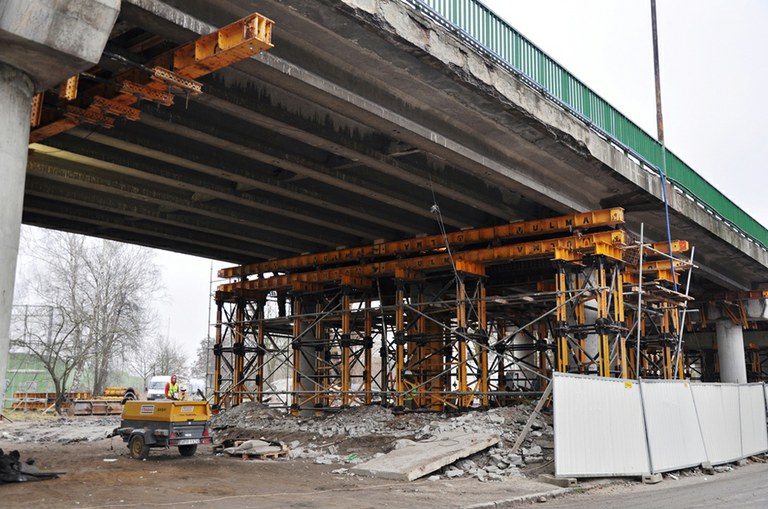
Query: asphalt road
[744, 487]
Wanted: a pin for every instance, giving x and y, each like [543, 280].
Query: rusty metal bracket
[175, 81]
[145, 93]
[108, 106]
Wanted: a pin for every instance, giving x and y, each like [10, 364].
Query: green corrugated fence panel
[503, 41]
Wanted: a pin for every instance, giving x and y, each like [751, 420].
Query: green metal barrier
[481, 28]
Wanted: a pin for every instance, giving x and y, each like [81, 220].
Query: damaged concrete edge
[423, 33]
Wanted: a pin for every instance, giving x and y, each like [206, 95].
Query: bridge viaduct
[362, 120]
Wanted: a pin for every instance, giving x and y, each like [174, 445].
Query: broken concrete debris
[422, 458]
[358, 435]
[261, 449]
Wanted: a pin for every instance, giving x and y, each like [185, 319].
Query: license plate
[188, 441]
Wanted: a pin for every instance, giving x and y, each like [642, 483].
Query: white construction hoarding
[614, 427]
[674, 438]
[754, 434]
[717, 408]
[599, 428]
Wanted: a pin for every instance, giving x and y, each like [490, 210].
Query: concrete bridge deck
[364, 115]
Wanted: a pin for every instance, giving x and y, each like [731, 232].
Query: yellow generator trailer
[183, 424]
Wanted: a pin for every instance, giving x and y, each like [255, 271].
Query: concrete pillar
[592, 345]
[43, 42]
[16, 90]
[730, 349]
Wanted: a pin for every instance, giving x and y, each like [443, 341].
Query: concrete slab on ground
[421, 458]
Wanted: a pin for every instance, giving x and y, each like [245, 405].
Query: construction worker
[172, 388]
[410, 390]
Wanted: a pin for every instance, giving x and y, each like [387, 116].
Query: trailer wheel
[138, 448]
[187, 450]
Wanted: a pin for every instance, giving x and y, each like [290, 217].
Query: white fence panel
[674, 438]
[754, 434]
[599, 428]
[717, 407]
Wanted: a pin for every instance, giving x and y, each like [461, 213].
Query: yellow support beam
[661, 265]
[68, 89]
[587, 220]
[501, 254]
[239, 40]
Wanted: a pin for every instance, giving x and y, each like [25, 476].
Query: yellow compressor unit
[145, 424]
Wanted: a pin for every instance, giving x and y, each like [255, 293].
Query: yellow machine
[145, 424]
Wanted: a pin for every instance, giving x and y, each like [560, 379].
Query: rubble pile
[500, 461]
[355, 435]
[353, 422]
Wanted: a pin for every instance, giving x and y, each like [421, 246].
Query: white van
[156, 388]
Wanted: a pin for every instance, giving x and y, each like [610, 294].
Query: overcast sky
[714, 76]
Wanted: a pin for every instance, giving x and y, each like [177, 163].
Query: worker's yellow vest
[410, 390]
[173, 389]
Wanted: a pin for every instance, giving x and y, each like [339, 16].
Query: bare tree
[169, 358]
[142, 361]
[54, 336]
[119, 280]
[101, 293]
[203, 364]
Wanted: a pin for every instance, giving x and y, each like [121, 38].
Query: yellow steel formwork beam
[587, 220]
[562, 318]
[346, 331]
[368, 332]
[482, 322]
[68, 89]
[238, 386]
[678, 246]
[224, 47]
[217, 356]
[461, 344]
[661, 265]
[604, 365]
[296, 375]
[239, 40]
[399, 345]
[526, 250]
[37, 110]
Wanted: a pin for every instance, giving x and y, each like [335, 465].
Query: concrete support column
[592, 340]
[16, 90]
[730, 349]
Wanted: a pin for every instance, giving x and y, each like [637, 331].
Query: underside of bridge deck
[346, 132]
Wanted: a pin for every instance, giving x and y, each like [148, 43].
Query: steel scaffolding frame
[453, 329]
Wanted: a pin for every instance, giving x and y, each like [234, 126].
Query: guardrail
[479, 27]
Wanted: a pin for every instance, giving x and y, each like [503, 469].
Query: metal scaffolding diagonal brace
[531, 418]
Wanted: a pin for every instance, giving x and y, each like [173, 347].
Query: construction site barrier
[718, 410]
[674, 437]
[612, 427]
[599, 427]
[754, 439]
